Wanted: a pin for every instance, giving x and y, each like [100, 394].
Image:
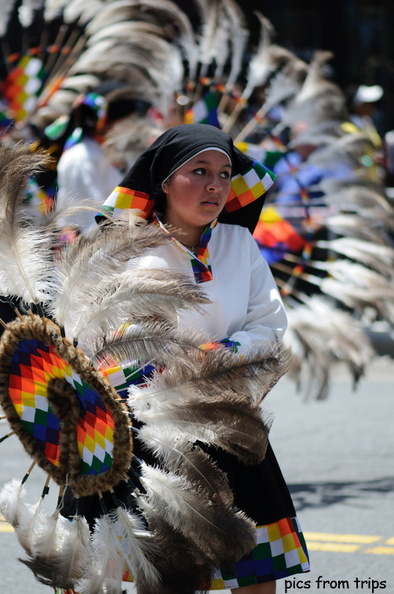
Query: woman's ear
[164, 186]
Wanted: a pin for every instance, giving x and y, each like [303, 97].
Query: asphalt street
[338, 458]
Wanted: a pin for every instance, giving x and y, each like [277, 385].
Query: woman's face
[197, 192]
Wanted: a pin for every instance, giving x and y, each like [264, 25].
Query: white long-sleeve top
[85, 173]
[245, 302]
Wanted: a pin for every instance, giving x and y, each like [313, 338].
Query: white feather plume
[11, 501]
[104, 572]
[136, 545]
[53, 9]
[82, 12]
[6, 11]
[26, 11]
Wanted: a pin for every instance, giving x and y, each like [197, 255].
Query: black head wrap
[142, 184]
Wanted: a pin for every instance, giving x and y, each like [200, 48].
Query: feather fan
[318, 99]
[230, 424]
[253, 374]
[89, 276]
[183, 568]
[159, 61]
[260, 65]
[126, 140]
[157, 341]
[30, 523]
[349, 147]
[315, 80]
[129, 302]
[81, 84]
[126, 31]
[112, 12]
[92, 258]
[379, 258]
[172, 20]
[209, 17]
[231, 417]
[178, 451]
[285, 85]
[354, 225]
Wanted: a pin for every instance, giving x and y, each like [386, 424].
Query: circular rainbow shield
[65, 413]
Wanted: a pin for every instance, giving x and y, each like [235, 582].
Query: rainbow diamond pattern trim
[280, 551]
[247, 187]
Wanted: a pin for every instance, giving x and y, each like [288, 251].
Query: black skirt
[262, 493]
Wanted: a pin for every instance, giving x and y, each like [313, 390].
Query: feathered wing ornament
[261, 64]
[323, 225]
[317, 99]
[339, 339]
[77, 428]
[177, 397]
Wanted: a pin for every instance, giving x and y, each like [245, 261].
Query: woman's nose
[214, 184]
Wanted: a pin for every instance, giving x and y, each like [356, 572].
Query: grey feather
[238, 39]
[82, 12]
[231, 418]
[320, 336]
[377, 257]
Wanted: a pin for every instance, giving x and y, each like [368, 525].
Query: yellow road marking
[348, 543]
[6, 528]
[349, 538]
[380, 551]
[333, 547]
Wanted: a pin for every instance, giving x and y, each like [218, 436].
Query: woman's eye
[204, 171]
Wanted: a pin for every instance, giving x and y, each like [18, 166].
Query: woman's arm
[265, 319]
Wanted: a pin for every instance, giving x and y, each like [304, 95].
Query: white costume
[84, 172]
[246, 306]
